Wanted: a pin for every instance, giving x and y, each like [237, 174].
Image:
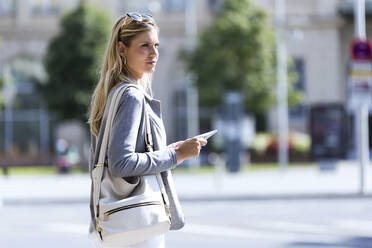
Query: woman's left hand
[176, 144]
[189, 148]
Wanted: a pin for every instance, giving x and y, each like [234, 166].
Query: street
[267, 223]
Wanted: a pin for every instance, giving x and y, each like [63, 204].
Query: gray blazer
[126, 154]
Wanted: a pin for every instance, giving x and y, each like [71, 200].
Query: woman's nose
[154, 50]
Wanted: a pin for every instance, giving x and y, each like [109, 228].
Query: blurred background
[285, 83]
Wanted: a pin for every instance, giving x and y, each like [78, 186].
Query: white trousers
[155, 242]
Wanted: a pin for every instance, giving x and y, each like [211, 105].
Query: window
[299, 85]
[45, 7]
[215, 5]
[179, 103]
[8, 7]
[346, 7]
[175, 5]
[138, 6]
[149, 5]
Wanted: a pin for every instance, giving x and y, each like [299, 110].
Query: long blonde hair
[113, 70]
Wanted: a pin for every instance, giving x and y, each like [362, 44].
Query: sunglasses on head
[139, 17]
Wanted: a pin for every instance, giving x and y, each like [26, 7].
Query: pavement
[343, 181]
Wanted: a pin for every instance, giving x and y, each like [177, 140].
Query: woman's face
[142, 53]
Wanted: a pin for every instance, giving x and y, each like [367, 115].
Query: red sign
[361, 50]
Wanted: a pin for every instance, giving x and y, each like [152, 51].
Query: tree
[237, 53]
[72, 60]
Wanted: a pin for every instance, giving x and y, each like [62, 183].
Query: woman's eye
[156, 45]
[145, 45]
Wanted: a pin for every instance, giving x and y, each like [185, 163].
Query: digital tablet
[208, 134]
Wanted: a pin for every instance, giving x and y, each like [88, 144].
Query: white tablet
[208, 134]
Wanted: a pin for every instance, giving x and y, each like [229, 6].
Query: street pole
[44, 132]
[282, 90]
[9, 92]
[362, 137]
[192, 101]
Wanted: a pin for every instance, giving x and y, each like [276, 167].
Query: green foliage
[297, 142]
[72, 61]
[237, 53]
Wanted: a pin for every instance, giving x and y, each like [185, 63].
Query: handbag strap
[104, 145]
[150, 148]
[99, 166]
[110, 117]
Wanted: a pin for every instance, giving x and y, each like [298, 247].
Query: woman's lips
[152, 62]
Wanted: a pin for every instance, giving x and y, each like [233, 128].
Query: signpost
[360, 84]
[360, 91]
[361, 50]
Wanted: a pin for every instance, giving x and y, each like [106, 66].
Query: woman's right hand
[189, 148]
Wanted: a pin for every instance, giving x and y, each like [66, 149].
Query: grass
[245, 168]
[35, 170]
[275, 166]
[52, 170]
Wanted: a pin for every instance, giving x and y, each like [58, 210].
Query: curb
[206, 198]
[43, 201]
[278, 197]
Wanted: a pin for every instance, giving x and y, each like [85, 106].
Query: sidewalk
[269, 184]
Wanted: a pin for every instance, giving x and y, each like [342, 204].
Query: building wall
[169, 76]
[26, 30]
[314, 30]
[317, 35]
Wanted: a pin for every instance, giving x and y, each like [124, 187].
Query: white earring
[124, 60]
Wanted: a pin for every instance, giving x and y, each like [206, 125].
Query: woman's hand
[189, 148]
[176, 144]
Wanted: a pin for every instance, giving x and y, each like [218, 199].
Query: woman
[131, 57]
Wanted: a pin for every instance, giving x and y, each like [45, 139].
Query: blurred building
[319, 34]
[26, 26]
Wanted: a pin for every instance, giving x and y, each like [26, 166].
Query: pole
[362, 145]
[360, 18]
[9, 93]
[44, 132]
[190, 23]
[282, 91]
[192, 103]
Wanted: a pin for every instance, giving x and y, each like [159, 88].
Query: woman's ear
[122, 48]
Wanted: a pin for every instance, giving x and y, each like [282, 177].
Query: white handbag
[127, 210]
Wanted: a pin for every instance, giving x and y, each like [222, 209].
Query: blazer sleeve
[123, 161]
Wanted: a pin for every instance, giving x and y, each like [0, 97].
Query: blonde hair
[113, 70]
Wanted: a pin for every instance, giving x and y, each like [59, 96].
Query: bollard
[233, 112]
[219, 170]
[5, 170]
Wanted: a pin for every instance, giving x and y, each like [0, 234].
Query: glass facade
[8, 7]
[174, 5]
[45, 7]
[299, 85]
